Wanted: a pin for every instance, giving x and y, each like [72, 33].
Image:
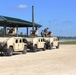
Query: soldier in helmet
[42, 33]
[46, 31]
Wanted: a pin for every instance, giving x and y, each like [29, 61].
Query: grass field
[68, 42]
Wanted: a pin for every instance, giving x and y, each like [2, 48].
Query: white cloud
[22, 6]
[18, 7]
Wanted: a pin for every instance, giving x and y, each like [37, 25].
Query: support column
[17, 30]
[27, 31]
[4, 30]
[33, 17]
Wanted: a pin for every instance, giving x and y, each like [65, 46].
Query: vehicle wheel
[5, 53]
[44, 48]
[24, 50]
[34, 48]
[57, 47]
[49, 46]
[9, 52]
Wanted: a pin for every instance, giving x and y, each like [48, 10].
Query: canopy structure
[12, 22]
[15, 22]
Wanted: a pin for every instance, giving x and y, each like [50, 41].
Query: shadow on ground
[19, 53]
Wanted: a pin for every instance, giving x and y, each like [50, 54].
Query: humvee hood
[3, 39]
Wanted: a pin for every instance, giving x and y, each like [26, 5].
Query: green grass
[68, 42]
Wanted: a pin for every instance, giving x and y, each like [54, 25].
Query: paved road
[51, 62]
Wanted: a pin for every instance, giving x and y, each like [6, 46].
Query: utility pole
[33, 17]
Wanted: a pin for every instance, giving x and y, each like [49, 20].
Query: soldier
[46, 31]
[36, 31]
[42, 33]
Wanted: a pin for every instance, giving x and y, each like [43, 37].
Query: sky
[58, 15]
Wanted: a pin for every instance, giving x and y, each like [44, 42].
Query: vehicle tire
[9, 52]
[44, 47]
[57, 47]
[34, 48]
[49, 46]
[24, 50]
[5, 53]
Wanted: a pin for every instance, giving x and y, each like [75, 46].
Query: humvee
[35, 43]
[8, 45]
[56, 42]
[52, 42]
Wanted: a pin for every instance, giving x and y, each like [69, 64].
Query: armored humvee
[51, 42]
[10, 44]
[35, 43]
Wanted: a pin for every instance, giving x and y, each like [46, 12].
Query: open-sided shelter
[15, 22]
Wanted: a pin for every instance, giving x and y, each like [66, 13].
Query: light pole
[33, 17]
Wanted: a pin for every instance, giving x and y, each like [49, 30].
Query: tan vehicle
[35, 43]
[10, 44]
[56, 42]
[51, 42]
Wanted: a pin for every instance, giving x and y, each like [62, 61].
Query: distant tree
[21, 34]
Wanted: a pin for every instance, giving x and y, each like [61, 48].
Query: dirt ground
[60, 61]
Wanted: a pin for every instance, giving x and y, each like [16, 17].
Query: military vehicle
[11, 44]
[51, 42]
[8, 45]
[35, 43]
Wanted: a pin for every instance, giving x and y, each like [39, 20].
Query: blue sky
[58, 15]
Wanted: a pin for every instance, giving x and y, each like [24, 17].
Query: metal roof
[12, 22]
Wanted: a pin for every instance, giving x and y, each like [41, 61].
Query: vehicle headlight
[4, 44]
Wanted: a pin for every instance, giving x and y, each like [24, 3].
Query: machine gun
[11, 31]
[33, 32]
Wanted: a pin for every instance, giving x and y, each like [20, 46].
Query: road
[60, 61]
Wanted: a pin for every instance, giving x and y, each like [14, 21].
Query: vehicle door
[16, 45]
[42, 43]
[39, 43]
[21, 44]
[55, 42]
